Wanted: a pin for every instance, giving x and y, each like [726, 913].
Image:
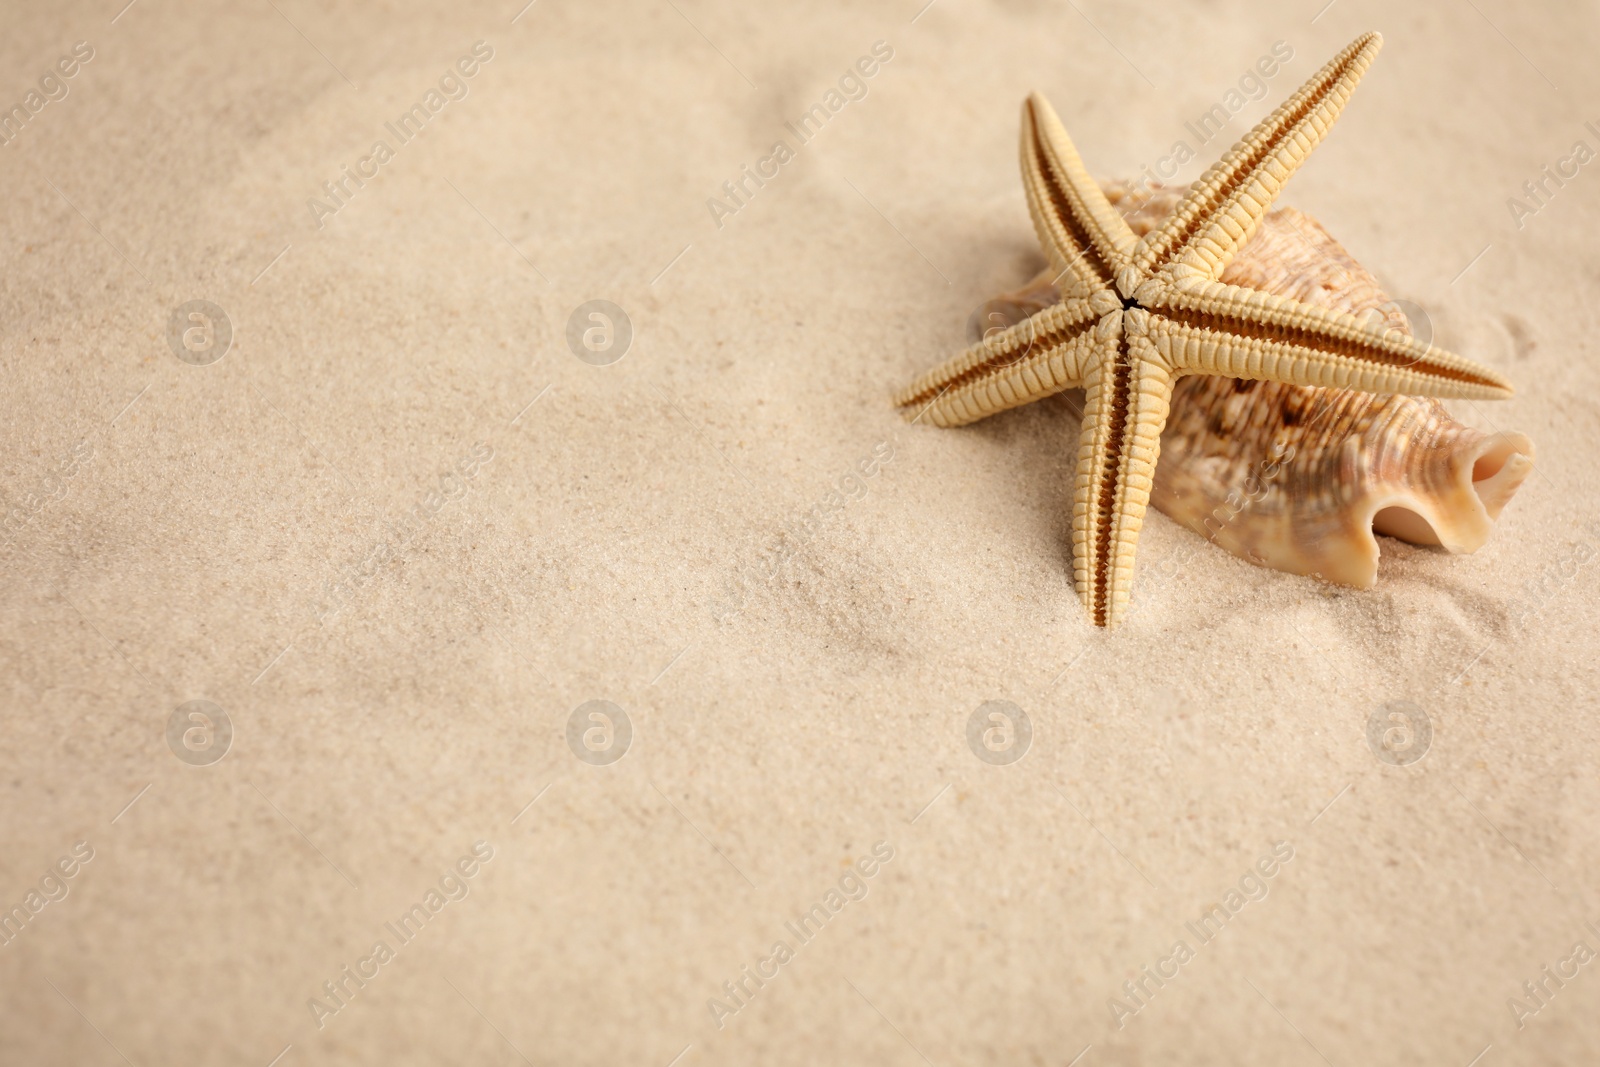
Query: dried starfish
[1138, 313]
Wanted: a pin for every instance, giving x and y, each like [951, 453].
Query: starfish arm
[1088, 243]
[1040, 355]
[1225, 330]
[1125, 407]
[1225, 206]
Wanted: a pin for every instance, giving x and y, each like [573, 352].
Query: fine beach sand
[179, 532]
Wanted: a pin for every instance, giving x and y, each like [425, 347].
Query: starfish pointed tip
[1367, 45]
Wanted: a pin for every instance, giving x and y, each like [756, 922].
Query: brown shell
[1296, 477]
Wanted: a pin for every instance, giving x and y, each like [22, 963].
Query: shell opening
[1499, 466]
[1406, 524]
[1496, 474]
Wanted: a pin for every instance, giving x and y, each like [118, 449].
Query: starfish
[1137, 313]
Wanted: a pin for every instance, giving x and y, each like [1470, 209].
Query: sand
[400, 533]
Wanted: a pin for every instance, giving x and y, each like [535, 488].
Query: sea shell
[1295, 477]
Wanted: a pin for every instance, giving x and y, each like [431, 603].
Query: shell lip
[1493, 469]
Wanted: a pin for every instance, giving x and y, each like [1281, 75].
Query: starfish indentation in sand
[1137, 313]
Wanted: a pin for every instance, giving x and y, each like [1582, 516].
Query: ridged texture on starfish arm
[1081, 233]
[1042, 355]
[1225, 206]
[1140, 312]
[1211, 328]
[1124, 410]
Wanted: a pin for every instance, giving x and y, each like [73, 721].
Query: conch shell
[1298, 478]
